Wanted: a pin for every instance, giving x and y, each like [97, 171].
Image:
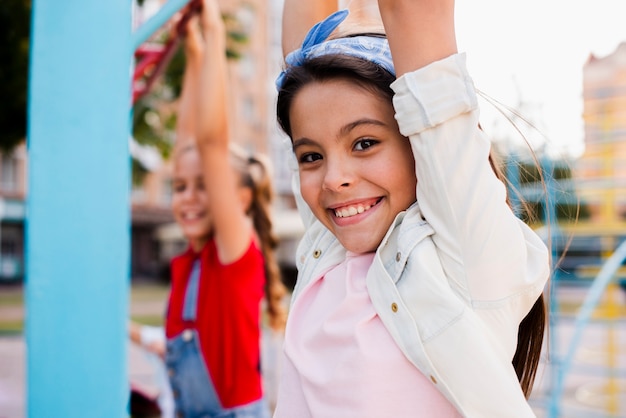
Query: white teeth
[191, 216]
[351, 211]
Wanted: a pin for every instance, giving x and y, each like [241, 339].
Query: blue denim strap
[191, 294]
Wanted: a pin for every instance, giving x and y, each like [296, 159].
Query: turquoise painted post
[78, 224]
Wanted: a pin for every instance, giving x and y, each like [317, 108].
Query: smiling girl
[415, 277]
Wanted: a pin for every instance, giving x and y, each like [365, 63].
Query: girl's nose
[190, 193]
[338, 175]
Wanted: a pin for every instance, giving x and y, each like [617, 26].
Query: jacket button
[394, 307]
[398, 256]
[432, 378]
[317, 253]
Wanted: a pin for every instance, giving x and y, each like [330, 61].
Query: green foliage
[138, 172]
[173, 75]
[14, 38]
[562, 172]
[236, 36]
[529, 174]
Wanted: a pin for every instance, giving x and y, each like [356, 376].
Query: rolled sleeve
[431, 95]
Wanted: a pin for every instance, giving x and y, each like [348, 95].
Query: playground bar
[78, 227]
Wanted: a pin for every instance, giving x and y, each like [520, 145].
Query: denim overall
[193, 390]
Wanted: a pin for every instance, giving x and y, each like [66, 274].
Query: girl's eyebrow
[344, 131]
[363, 121]
[302, 142]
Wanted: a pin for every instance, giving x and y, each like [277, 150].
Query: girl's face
[190, 199]
[356, 169]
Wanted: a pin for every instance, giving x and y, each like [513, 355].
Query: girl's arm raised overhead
[299, 16]
[186, 120]
[212, 129]
[419, 31]
[232, 230]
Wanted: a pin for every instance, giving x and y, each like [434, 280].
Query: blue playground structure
[78, 222]
[596, 269]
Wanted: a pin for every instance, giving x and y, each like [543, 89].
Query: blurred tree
[568, 209]
[14, 34]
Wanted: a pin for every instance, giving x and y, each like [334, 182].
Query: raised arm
[186, 120]
[232, 228]
[299, 16]
[419, 31]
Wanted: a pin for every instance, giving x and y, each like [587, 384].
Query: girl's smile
[353, 209]
[190, 199]
[356, 169]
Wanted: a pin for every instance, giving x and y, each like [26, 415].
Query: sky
[533, 52]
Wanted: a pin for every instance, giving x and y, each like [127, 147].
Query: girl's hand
[211, 19]
[157, 347]
[194, 44]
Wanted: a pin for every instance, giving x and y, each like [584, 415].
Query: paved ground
[587, 392]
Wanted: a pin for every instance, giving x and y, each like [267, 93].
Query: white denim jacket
[457, 271]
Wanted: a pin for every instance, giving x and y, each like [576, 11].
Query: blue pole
[143, 33]
[78, 221]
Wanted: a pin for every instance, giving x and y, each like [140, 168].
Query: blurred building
[13, 166]
[601, 171]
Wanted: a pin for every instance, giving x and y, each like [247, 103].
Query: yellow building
[601, 171]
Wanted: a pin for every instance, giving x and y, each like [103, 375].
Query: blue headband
[370, 48]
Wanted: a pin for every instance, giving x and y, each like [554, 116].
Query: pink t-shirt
[340, 361]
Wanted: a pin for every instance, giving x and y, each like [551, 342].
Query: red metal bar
[152, 59]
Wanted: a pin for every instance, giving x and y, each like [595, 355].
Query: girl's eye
[309, 157]
[363, 144]
[178, 187]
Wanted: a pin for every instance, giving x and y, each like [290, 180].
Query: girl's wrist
[215, 35]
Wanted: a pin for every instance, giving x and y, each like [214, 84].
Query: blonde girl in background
[419, 291]
[221, 200]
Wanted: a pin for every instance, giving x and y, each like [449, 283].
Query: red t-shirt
[227, 319]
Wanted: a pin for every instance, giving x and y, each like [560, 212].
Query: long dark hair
[377, 80]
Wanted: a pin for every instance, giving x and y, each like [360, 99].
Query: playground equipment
[78, 207]
[599, 386]
[562, 366]
[152, 58]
